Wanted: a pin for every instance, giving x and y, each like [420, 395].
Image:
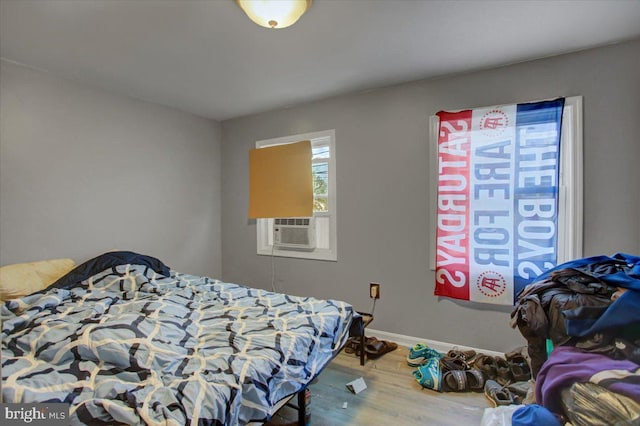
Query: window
[324, 199]
[569, 211]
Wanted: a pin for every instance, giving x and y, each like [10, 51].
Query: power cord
[273, 269]
[374, 306]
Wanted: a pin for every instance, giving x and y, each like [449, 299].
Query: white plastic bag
[498, 416]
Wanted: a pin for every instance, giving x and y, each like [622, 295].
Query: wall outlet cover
[374, 290]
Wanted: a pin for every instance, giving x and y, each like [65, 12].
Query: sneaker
[429, 375]
[420, 354]
[467, 356]
[497, 393]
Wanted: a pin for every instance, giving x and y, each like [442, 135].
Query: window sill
[317, 254]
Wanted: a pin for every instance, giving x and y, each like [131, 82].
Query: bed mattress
[130, 345]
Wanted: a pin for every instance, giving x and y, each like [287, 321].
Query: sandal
[462, 381]
[352, 346]
[475, 380]
[376, 348]
[497, 394]
[520, 370]
[503, 371]
[520, 351]
[372, 345]
[454, 381]
[429, 375]
[348, 347]
[487, 365]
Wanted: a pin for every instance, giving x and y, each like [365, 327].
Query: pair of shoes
[462, 381]
[497, 394]
[376, 348]
[429, 375]
[420, 354]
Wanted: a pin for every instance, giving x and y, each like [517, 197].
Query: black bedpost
[302, 407]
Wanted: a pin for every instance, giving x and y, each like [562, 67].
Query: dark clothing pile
[589, 309]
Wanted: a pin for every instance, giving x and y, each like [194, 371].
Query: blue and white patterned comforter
[131, 346]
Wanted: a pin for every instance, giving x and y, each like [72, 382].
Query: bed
[124, 339]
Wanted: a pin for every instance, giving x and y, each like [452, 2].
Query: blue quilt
[129, 345]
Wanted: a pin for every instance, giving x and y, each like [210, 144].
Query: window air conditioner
[294, 233]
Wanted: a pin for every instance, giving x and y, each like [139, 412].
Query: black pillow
[109, 260]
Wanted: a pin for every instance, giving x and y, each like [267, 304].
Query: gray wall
[83, 171]
[383, 185]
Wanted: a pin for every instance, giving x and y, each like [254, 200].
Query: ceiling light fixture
[274, 13]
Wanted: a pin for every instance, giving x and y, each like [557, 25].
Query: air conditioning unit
[294, 233]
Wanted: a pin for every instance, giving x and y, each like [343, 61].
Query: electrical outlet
[374, 290]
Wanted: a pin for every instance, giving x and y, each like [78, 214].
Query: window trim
[570, 203]
[264, 227]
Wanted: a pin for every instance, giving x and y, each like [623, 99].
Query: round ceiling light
[274, 13]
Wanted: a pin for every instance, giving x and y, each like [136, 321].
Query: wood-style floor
[393, 397]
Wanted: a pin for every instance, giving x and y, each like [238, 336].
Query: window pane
[320, 152]
[322, 232]
[320, 187]
[320, 203]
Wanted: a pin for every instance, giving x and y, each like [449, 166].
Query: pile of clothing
[588, 312]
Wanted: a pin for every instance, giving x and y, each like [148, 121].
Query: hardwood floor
[392, 397]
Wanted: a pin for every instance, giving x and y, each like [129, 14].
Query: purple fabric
[568, 365]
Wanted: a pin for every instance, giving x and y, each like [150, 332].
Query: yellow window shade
[280, 181]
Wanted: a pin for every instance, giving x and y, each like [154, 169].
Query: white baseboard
[410, 341]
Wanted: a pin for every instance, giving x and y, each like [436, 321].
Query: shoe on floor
[429, 375]
[497, 394]
[420, 354]
[462, 381]
[467, 356]
[376, 348]
[488, 365]
[503, 371]
[449, 364]
[519, 391]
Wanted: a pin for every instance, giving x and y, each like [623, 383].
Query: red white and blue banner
[498, 180]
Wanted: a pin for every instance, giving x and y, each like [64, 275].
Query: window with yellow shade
[289, 238]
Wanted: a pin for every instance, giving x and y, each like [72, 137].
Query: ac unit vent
[294, 233]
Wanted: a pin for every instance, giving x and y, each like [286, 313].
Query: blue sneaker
[430, 375]
[420, 354]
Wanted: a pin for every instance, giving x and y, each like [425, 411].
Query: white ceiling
[206, 57]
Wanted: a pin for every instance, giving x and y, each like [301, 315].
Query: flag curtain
[280, 181]
[497, 199]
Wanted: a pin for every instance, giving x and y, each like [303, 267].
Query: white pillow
[22, 279]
